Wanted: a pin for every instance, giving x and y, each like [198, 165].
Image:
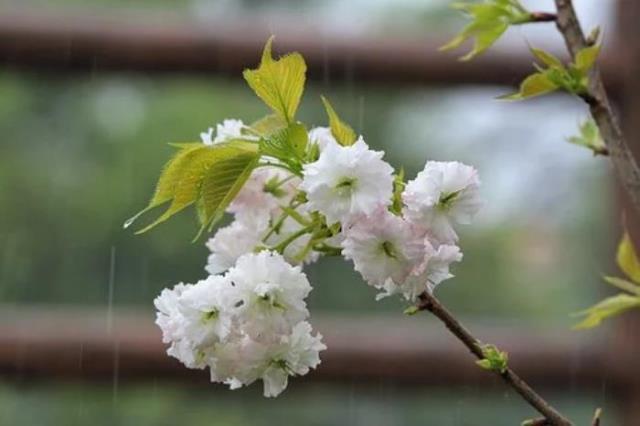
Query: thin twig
[428, 302]
[598, 101]
[537, 422]
[542, 17]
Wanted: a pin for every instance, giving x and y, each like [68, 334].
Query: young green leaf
[590, 138]
[623, 284]
[546, 58]
[224, 179]
[340, 130]
[627, 258]
[485, 38]
[494, 359]
[609, 307]
[298, 138]
[411, 310]
[489, 20]
[535, 85]
[268, 125]
[279, 83]
[194, 168]
[553, 75]
[586, 57]
[170, 178]
[185, 191]
[288, 146]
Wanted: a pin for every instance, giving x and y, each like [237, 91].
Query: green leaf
[298, 138]
[185, 191]
[279, 83]
[590, 138]
[268, 125]
[494, 359]
[288, 146]
[546, 58]
[573, 79]
[340, 130]
[224, 179]
[623, 284]
[170, 175]
[627, 258]
[187, 179]
[586, 57]
[485, 39]
[489, 20]
[170, 178]
[609, 307]
[411, 310]
[485, 364]
[535, 85]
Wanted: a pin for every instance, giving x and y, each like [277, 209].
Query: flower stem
[275, 226]
[281, 246]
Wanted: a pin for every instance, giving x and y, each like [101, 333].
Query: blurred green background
[81, 153]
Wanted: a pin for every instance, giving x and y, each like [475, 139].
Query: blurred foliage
[160, 405]
[589, 137]
[629, 263]
[406, 17]
[489, 20]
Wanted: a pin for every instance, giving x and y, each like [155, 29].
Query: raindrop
[127, 223]
[112, 270]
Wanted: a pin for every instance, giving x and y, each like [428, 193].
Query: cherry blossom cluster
[245, 325]
[248, 319]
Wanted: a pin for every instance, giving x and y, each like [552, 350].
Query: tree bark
[620, 153]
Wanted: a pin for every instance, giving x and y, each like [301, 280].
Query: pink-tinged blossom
[443, 194]
[383, 247]
[347, 181]
[431, 271]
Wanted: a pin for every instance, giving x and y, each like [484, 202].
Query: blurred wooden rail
[71, 343]
[90, 43]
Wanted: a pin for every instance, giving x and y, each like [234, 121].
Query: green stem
[305, 251]
[281, 247]
[291, 211]
[328, 250]
[275, 227]
[283, 181]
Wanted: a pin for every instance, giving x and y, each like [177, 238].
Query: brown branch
[536, 422]
[543, 17]
[428, 302]
[598, 101]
